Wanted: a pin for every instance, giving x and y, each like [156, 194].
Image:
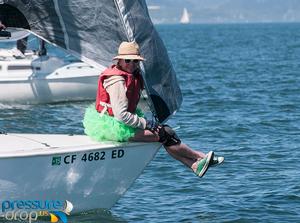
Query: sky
[225, 11]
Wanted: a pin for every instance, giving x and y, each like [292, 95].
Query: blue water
[241, 90]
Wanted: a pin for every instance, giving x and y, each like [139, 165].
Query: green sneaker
[203, 164]
[217, 160]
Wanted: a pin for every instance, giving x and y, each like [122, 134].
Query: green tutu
[106, 128]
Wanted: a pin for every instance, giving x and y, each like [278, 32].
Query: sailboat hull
[72, 82]
[46, 91]
[90, 175]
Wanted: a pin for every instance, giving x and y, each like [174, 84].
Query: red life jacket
[133, 84]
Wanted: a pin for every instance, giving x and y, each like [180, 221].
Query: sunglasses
[128, 61]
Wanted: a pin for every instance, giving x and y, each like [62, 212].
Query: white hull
[31, 78]
[48, 90]
[72, 82]
[30, 170]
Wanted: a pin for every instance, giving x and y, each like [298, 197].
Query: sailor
[115, 115]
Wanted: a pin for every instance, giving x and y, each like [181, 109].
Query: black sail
[93, 30]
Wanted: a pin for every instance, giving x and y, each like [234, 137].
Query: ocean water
[241, 90]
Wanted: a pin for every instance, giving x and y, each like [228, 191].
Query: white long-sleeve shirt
[116, 88]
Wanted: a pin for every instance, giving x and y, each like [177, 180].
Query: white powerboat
[31, 78]
[69, 167]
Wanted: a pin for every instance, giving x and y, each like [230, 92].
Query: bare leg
[185, 151]
[186, 161]
[180, 152]
[145, 136]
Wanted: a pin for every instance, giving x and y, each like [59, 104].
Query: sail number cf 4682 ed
[87, 157]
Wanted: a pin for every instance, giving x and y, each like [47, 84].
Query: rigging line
[33, 140]
[149, 100]
[66, 37]
[145, 97]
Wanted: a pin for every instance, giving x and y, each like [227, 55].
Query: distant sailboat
[185, 18]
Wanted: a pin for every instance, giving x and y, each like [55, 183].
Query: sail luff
[129, 31]
[66, 37]
[121, 9]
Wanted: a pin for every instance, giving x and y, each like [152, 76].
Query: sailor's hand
[152, 126]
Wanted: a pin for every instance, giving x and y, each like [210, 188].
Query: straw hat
[129, 50]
